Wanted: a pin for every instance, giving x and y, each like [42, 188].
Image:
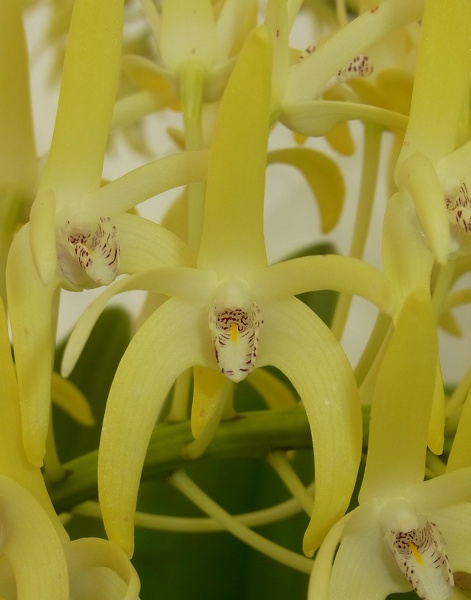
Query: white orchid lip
[235, 321]
[88, 252]
[419, 549]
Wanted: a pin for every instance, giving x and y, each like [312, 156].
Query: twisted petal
[13, 461]
[364, 568]
[99, 570]
[402, 404]
[173, 339]
[319, 117]
[32, 312]
[298, 343]
[31, 544]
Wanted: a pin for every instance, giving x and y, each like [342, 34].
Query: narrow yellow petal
[17, 148]
[275, 393]
[444, 51]
[43, 235]
[402, 403]
[208, 389]
[13, 461]
[169, 342]
[195, 31]
[68, 397]
[232, 239]
[95, 554]
[297, 342]
[145, 182]
[87, 96]
[327, 272]
[32, 309]
[32, 545]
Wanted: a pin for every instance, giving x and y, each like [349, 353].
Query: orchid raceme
[316, 409]
[235, 313]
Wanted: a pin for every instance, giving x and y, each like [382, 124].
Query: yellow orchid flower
[37, 558]
[79, 235]
[18, 170]
[298, 88]
[417, 232]
[430, 170]
[406, 533]
[230, 314]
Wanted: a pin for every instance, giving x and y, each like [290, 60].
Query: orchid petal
[209, 387]
[443, 51]
[436, 432]
[276, 20]
[340, 138]
[364, 569]
[454, 521]
[13, 461]
[147, 245]
[232, 239]
[88, 557]
[146, 75]
[147, 181]
[135, 400]
[33, 353]
[311, 273]
[460, 454]
[418, 176]
[400, 413]
[32, 545]
[407, 259]
[43, 235]
[188, 283]
[297, 342]
[323, 176]
[274, 392]
[350, 41]
[86, 103]
[71, 400]
[439, 492]
[236, 19]
[17, 147]
[195, 31]
[319, 117]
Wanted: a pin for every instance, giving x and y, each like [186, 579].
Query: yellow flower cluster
[389, 508]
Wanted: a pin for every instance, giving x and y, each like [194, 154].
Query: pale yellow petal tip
[70, 399]
[314, 535]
